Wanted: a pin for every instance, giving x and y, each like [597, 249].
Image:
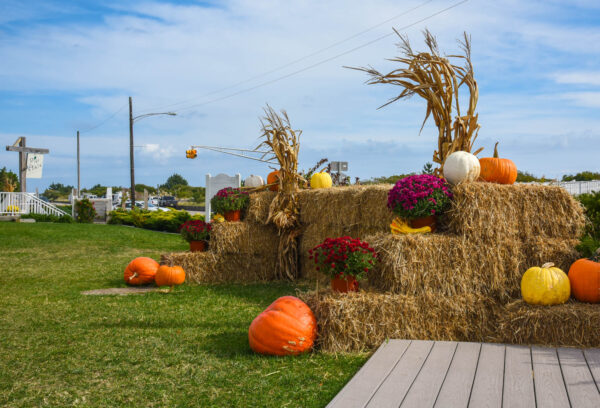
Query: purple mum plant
[419, 196]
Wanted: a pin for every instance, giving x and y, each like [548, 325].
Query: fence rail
[26, 203]
[574, 187]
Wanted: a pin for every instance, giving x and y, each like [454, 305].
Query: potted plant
[230, 202]
[419, 199]
[345, 260]
[197, 233]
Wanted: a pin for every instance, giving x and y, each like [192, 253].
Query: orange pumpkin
[584, 275]
[141, 271]
[273, 177]
[497, 170]
[287, 326]
[169, 276]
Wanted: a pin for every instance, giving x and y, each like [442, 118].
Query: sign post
[21, 147]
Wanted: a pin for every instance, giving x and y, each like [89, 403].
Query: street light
[132, 119]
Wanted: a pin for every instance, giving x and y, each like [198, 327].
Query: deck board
[489, 377]
[422, 373]
[425, 388]
[401, 378]
[518, 378]
[580, 384]
[363, 385]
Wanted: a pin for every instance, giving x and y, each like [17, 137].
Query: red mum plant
[195, 230]
[230, 199]
[343, 257]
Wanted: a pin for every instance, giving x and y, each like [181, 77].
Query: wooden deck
[420, 374]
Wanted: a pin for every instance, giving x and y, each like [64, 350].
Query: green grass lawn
[187, 348]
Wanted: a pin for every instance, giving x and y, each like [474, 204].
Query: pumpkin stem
[496, 150]
[548, 265]
[133, 276]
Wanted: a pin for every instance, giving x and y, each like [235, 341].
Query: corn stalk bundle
[283, 144]
[437, 80]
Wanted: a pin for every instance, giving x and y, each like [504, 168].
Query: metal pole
[78, 172]
[23, 167]
[132, 193]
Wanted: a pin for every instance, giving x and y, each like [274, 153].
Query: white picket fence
[574, 187]
[26, 203]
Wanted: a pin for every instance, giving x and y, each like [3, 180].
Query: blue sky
[66, 66]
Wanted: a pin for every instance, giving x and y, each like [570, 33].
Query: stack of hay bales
[460, 284]
[238, 252]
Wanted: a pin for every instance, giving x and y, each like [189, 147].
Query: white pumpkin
[461, 167]
[254, 181]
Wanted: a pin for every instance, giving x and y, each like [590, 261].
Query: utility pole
[78, 172]
[132, 193]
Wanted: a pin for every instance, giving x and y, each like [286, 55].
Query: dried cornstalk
[283, 143]
[437, 80]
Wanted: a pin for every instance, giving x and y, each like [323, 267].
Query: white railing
[26, 203]
[573, 187]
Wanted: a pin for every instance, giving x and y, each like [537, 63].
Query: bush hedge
[67, 219]
[155, 220]
[591, 239]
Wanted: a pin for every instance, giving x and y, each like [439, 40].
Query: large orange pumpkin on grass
[497, 170]
[584, 275]
[273, 177]
[169, 276]
[141, 271]
[286, 327]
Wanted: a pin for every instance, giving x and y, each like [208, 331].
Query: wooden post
[23, 166]
[145, 199]
[78, 173]
[131, 166]
[123, 198]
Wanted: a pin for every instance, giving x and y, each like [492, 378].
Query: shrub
[85, 211]
[155, 220]
[591, 239]
[229, 199]
[195, 230]
[419, 196]
[66, 219]
[344, 256]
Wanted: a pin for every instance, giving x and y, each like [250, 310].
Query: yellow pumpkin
[320, 180]
[547, 285]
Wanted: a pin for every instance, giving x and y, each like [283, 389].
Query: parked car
[153, 200]
[167, 201]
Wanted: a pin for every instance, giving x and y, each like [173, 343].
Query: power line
[320, 62]
[296, 60]
[104, 121]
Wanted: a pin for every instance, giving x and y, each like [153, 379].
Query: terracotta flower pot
[197, 246]
[424, 222]
[345, 284]
[232, 215]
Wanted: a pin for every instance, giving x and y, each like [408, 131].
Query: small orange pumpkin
[497, 170]
[169, 276]
[140, 271]
[286, 327]
[273, 177]
[584, 275]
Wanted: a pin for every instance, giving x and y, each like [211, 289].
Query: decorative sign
[35, 164]
[339, 166]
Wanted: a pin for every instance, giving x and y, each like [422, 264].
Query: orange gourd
[169, 276]
[286, 327]
[497, 170]
[584, 275]
[140, 271]
[273, 177]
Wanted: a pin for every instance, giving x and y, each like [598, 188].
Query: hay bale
[571, 324]
[258, 208]
[209, 267]
[445, 264]
[352, 205]
[521, 211]
[561, 252]
[244, 238]
[363, 320]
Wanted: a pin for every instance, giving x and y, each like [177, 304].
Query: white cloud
[589, 78]
[585, 99]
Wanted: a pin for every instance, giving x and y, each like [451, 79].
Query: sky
[71, 65]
